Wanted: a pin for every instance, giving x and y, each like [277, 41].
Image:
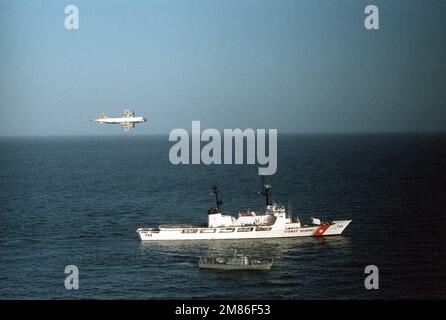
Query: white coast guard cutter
[127, 121]
[273, 223]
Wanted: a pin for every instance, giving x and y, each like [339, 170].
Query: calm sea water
[78, 201]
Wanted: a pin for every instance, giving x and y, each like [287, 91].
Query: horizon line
[279, 133]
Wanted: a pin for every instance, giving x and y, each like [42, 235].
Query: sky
[296, 66]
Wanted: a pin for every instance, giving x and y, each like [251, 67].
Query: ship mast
[266, 191]
[218, 201]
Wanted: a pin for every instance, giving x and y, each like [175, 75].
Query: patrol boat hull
[252, 267]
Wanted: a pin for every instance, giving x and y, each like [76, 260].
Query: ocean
[79, 200]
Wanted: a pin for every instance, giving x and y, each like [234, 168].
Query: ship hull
[258, 267]
[335, 228]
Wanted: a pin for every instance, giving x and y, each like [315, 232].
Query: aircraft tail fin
[102, 115]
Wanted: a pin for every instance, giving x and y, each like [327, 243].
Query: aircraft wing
[127, 125]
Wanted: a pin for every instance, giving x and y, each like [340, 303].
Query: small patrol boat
[236, 262]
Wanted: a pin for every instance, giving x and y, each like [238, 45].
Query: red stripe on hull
[320, 231]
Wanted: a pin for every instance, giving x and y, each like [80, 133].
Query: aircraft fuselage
[121, 120]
